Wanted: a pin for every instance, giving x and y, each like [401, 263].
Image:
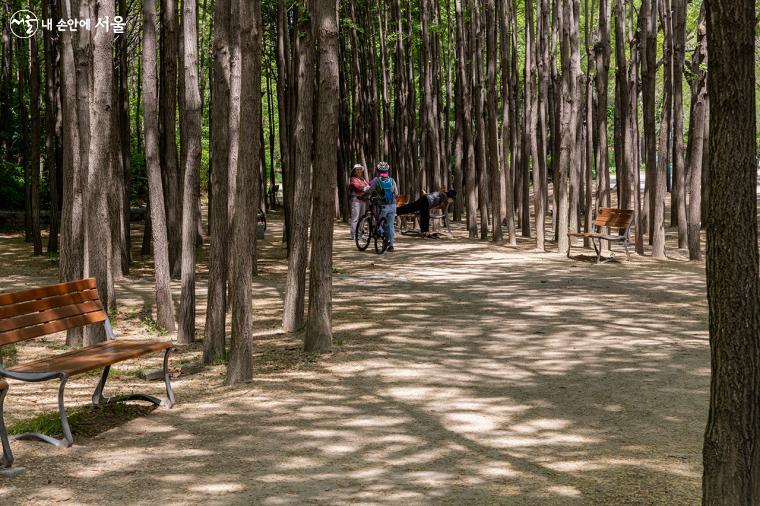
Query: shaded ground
[466, 373]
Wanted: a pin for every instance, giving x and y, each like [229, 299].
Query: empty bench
[42, 311]
[610, 218]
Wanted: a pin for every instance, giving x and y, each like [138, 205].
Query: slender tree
[295, 284]
[240, 368]
[164, 305]
[213, 343]
[192, 118]
[318, 336]
[699, 108]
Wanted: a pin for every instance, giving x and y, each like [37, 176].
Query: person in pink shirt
[356, 188]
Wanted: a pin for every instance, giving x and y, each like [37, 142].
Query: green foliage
[11, 185]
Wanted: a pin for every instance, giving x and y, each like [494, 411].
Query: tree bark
[531, 123]
[214, 340]
[240, 368]
[193, 122]
[697, 139]
[35, 138]
[731, 454]
[492, 157]
[164, 304]
[71, 265]
[318, 336]
[658, 188]
[468, 138]
[167, 113]
[52, 110]
[678, 199]
[295, 284]
[99, 163]
[648, 46]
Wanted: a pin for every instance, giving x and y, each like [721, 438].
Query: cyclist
[383, 187]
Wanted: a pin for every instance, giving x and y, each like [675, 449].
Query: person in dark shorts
[424, 204]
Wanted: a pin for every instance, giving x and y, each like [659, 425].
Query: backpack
[386, 185]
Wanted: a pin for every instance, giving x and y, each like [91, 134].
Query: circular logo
[24, 24]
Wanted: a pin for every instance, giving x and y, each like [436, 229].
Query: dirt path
[466, 374]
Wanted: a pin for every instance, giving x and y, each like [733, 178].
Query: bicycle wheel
[381, 238]
[362, 234]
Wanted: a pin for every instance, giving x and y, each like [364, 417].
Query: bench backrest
[46, 310]
[614, 218]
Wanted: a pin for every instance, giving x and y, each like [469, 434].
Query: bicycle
[372, 226]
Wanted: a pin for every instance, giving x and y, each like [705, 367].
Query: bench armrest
[29, 376]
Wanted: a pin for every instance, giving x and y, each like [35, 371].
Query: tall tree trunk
[700, 106]
[164, 304]
[283, 107]
[602, 58]
[125, 144]
[678, 199]
[167, 111]
[240, 368]
[506, 123]
[465, 83]
[99, 162]
[71, 263]
[659, 188]
[480, 127]
[531, 123]
[214, 340]
[295, 284]
[492, 158]
[731, 455]
[191, 191]
[53, 148]
[648, 30]
[570, 57]
[35, 138]
[318, 336]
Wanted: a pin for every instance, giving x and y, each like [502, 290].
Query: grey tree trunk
[697, 140]
[463, 80]
[658, 188]
[99, 162]
[192, 117]
[531, 123]
[240, 368]
[731, 455]
[71, 264]
[295, 284]
[167, 113]
[318, 336]
[602, 58]
[164, 305]
[506, 127]
[214, 340]
[492, 158]
[678, 199]
[35, 138]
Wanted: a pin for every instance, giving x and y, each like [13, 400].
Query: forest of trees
[537, 112]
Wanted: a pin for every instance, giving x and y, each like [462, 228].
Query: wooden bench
[47, 310]
[608, 217]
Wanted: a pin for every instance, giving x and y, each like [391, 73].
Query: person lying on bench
[424, 204]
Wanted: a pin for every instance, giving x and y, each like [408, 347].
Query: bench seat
[92, 357]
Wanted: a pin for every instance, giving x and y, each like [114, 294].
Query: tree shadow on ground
[467, 375]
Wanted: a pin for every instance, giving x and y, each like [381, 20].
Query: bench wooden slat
[47, 291]
[48, 303]
[58, 313]
[93, 357]
[16, 335]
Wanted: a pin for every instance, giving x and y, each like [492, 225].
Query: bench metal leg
[99, 400]
[68, 438]
[7, 453]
